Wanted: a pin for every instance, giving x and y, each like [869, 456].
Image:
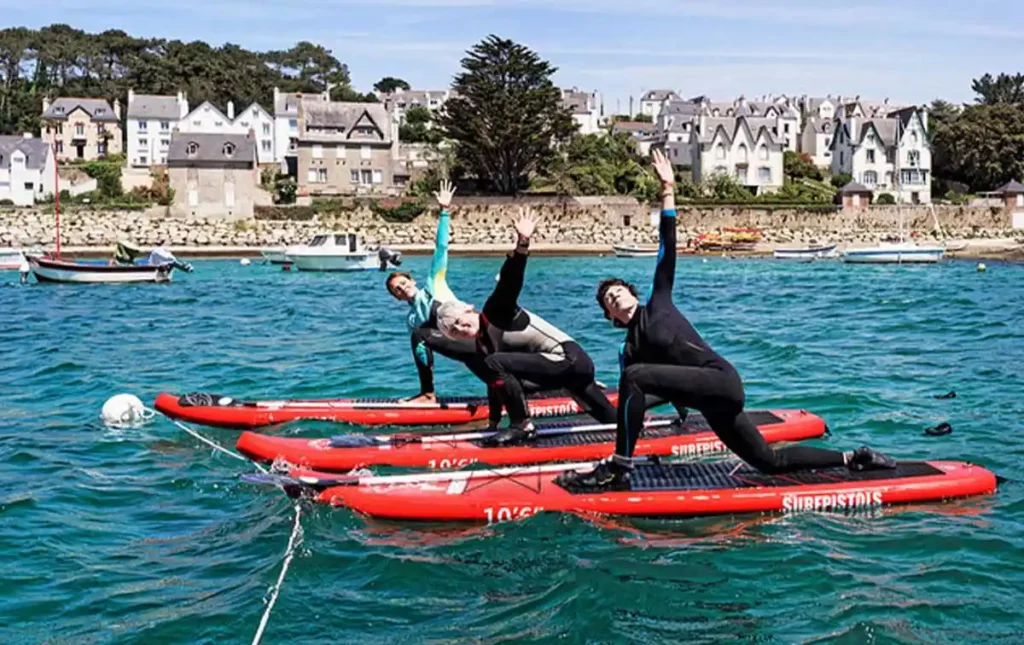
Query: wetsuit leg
[717, 392]
[581, 385]
[423, 358]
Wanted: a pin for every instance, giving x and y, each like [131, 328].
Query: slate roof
[823, 126]
[854, 187]
[1012, 187]
[731, 126]
[151, 106]
[35, 149]
[344, 116]
[97, 109]
[659, 95]
[211, 148]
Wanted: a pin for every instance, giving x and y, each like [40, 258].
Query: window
[914, 158]
[913, 137]
[100, 128]
[218, 124]
[870, 156]
[164, 143]
[890, 156]
[321, 175]
[355, 176]
[764, 175]
[763, 152]
[870, 178]
[144, 160]
[101, 148]
[165, 125]
[741, 153]
[60, 128]
[293, 124]
[265, 145]
[29, 185]
[143, 143]
[228, 150]
[197, 123]
[311, 175]
[266, 129]
[193, 192]
[628, 219]
[842, 158]
[79, 129]
[366, 177]
[720, 151]
[870, 137]
[721, 170]
[229, 194]
[143, 125]
[364, 152]
[828, 142]
[378, 177]
[741, 174]
[318, 151]
[192, 149]
[293, 145]
[60, 146]
[785, 128]
[245, 124]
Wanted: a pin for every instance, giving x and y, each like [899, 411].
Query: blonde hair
[448, 313]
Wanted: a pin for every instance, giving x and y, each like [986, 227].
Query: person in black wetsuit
[518, 345]
[663, 355]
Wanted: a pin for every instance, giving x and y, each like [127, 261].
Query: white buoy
[704, 261]
[245, 262]
[124, 410]
[981, 266]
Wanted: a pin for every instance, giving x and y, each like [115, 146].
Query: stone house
[347, 149]
[889, 154]
[286, 127]
[27, 169]
[207, 118]
[82, 129]
[214, 175]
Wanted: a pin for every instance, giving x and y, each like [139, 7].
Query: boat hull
[363, 262]
[275, 256]
[11, 259]
[634, 252]
[805, 254]
[60, 271]
[894, 256]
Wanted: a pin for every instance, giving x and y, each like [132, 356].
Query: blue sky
[906, 50]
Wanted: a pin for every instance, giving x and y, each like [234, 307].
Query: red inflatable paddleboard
[225, 412]
[575, 440]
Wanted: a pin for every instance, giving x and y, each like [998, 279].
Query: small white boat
[339, 252]
[895, 253]
[11, 259]
[275, 256]
[634, 251]
[158, 266]
[806, 254]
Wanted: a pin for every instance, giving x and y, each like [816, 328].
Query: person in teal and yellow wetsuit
[423, 305]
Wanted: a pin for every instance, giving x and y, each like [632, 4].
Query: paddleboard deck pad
[570, 440]
[225, 412]
[657, 490]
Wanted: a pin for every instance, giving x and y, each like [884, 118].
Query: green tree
[799, 166]
[885, 199]
[598, 164]
[1004, 89]
[643, 118]
[418, 127]
[389, 84]
[984, 147]
[506, 118]
[841, 179]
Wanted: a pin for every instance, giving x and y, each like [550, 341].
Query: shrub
[885, 199]
[294, 213]
[405, 212]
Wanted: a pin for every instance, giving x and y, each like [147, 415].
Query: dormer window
[101, 111]
[229, 149]
[192, 149]
[59, 108]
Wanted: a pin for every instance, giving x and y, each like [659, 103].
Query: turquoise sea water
[147, 536]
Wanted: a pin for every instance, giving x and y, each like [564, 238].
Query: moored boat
[806, 254]
[634, 251]
[339, 252]
[158, 266]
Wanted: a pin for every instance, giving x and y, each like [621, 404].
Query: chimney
[231, 110]
[46, 104]
[117, 109]
[131, 96]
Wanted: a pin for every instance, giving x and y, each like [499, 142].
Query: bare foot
[423, 398]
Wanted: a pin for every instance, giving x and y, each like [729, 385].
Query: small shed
[855, 195]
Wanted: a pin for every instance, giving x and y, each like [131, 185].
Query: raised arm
[437, 283]
[665, 271]
[504, 301]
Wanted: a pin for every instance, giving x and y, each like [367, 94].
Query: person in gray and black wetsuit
[519, 345]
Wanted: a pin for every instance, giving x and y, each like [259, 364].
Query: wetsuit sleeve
[503, 304]
[665, 272]
[437, 282]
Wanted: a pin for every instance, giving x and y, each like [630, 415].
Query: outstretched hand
[663, 167]
[445, 194]
[526, 225]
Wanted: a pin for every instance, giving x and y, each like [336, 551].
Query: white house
[745, 148]
[890, 154]
[286, 127]
[586, 110]
[399, 101]
[819, 108]
[786, 126]
[652, 102]
[27, 169]
[150, 121]
[207, 119]
[816, 140]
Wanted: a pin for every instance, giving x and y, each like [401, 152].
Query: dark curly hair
[394, 276]
[603, 288]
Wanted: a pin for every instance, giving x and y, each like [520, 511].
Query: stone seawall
[583, 221]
